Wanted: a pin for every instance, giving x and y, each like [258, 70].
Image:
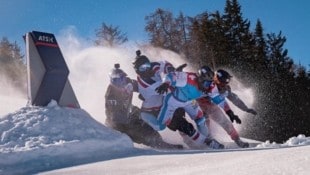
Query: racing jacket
[184, 86]
[152, 101]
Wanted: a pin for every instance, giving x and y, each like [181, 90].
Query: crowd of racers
[168, 95]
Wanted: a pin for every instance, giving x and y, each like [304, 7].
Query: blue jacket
[184, 86]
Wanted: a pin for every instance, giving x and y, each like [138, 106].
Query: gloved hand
[181, 67]
[141, 97]
[163, 88]
[233, 117]
[170, 69]
[252, 111]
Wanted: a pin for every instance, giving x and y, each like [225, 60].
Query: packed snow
[38, 139]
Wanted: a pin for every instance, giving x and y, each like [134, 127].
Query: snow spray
[90, 65]
[247, 95]
[12, 96]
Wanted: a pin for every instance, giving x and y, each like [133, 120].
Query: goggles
[119, 81]
[144, 67]
[207, 84]
[224, 80]
[112, 76]
[207, 77]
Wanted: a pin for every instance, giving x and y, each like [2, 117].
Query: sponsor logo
[47, 39]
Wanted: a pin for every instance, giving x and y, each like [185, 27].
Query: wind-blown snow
[36, 139]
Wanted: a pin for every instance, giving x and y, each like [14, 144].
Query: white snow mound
[55, 131]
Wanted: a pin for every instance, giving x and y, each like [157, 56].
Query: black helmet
[117, 76]
[138, 53]
[141, 63]
[223, 76]
[205, 73]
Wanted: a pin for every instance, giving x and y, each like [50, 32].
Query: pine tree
[219, 41]
[108, 35]
[277, 58]
[203, 35]
[196, 43]
[238, 35]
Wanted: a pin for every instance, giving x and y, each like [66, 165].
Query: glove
[170, 69]
[163, 88]
[181, 67]
[252, 111]
[233, 117]
[141, 97]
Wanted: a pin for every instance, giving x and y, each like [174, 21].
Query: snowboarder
[121, 115]
[217, 88]
[222, 79]
[184, 90]
[149, 78]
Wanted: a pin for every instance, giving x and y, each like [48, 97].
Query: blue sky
[18, 17]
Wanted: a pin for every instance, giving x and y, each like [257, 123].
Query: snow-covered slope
[38, 139]
[35, 139]
[286, 161]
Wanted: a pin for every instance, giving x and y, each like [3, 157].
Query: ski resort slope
[57, 140]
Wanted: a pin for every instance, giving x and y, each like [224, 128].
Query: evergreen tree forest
[259, 59]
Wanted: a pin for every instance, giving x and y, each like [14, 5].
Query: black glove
[181, 67]
[233, 117]
[252, 111]
[141, 97]
[163, 88]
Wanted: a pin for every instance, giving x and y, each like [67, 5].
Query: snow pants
[216, 114]
[170, 104]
